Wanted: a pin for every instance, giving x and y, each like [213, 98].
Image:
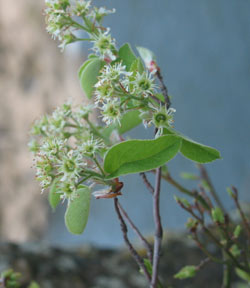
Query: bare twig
[242, 214]
[214, 238]
[164, 88]
[136, 230]
[158, 228]
[203, 263]
[132, 250]
[205, 176]
[178, 186]
[147, 183]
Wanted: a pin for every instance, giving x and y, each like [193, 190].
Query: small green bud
[189, 176]
[184, 202]
[237, 231]
[230, 192]
[186, 272]
[235, 250]
[191, 223]
[218, 215]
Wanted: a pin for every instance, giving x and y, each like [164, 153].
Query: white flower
[52, 147]
[71, 165]
[104, 45]
[163, 117]
[144, 84]
[82, 7]
[99, 13]
[104, 91]
[111, 112]
[91, 146]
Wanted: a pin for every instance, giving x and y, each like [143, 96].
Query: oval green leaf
[88, 75]
[82, 68]
[193, 150]
[134, 156]
[54, 196]
[128, 121]
[198, 152]
[127, 55]
[137, 66]
[146, 54]
[77, 213]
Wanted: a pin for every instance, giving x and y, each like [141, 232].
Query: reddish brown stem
[132, 250]
[147, 183]
[158, 228]
[137, 231]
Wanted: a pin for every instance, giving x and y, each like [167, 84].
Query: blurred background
[202, 48]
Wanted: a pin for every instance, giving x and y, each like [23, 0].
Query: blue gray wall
[203, 49]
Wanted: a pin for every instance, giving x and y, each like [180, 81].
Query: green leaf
[243, 274]
[186, 272]
[82, 68]
[182, 201]
[54, 196]
[137, 66]
[189, 176]
[134, 156]
[88, 75]
[218, 215]
[146, 54]
[237, 231]
[198, 152]
[235, 250]
[128, 121]
[127, 55]
[33, 285]
[195, 151]
[77, 212]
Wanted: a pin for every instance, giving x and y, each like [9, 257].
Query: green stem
[99, 166]
[174, 183]
[96, 132]
[83, 179]
[76, 24]
[227, 274]
[92, 173]
[205, 176]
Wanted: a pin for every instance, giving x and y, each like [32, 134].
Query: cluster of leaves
[11, 279]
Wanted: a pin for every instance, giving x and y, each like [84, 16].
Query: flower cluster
[66, 148]
[118, 91]
[72, 147]
[61, 23]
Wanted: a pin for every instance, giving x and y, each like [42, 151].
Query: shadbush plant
[74, 154]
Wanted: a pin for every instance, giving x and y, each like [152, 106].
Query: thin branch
[178, 186]
[205, 251]
[242, 215]
[132, 250]
[216, 241]
[147, 183]
[203, 263]
[164, 88]
[158, 228]
[137, 231]
[205, 176]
